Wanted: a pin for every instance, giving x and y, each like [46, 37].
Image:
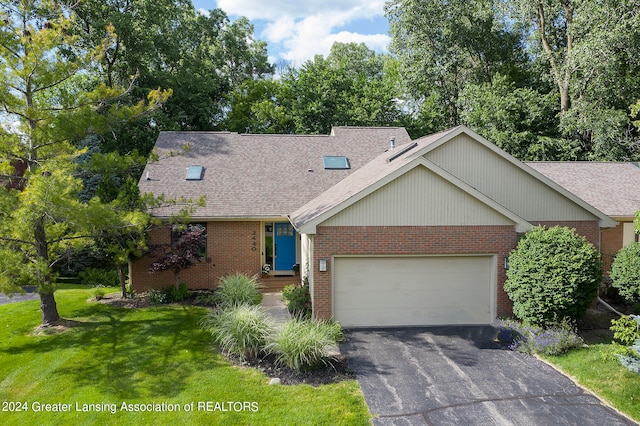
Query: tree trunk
[45, 286]
[177, 280]
[49, 309]
[565, 100]
[123, 280]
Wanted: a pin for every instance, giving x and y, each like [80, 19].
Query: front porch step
[274, 283]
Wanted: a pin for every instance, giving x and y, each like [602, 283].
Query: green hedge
[553, 274]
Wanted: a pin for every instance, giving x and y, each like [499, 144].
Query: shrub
[169, 294]
[625, 272]
[237, 289]
[130, 292]
[98, 293]
[158, 297]
[626, 329]
[240, 330]
[178, 294]
[631, 361]
[303, 344]
[298, 300]
[553, 273]
[553, 340]
[95, 277]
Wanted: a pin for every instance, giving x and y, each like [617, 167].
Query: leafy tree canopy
[51, 101]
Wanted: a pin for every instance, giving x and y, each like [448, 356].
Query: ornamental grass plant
[237, 289]
[240, 330]
[304, 344]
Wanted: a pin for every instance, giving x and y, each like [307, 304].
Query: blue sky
[296, 30]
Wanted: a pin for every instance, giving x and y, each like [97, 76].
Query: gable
[419, 197]
[511, 185]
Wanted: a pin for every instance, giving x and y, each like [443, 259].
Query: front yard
[596, 368]
[144, 366]
[155, 365]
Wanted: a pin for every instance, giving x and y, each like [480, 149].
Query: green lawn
[604, 376]
[134, 359]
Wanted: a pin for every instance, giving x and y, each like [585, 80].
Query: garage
[413, 290]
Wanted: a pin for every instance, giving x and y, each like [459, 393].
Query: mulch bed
[334, 371]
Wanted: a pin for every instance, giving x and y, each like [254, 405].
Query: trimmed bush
[304, 344]
[240, 330]
[553, 274]
[298, 300]
[625, 272]
[238, 289]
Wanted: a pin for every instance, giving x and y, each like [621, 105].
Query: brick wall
[611, 244]
[231, 247]
[408, 240]
[587, 228]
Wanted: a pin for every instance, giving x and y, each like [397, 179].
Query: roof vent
[195, 173]
[402, 151]
[393, 142]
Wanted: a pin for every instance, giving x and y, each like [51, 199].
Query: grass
[303, 344]
[596, 369]
[157, 355]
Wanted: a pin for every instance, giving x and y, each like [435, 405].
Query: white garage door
[433, 290]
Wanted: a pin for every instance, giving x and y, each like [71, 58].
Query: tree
[520, 120]
[553, 274]
[445, 45]
[591, 52]
[348, 87]
[168, 44]
[188, 247]
[49, 102]
[260, 106]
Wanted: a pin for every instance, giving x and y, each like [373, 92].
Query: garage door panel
[433, 290]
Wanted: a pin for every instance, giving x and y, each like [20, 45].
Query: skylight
[195, 173]
[336, 162]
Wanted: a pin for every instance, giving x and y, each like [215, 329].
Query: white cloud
[271, 10]
[297, 29]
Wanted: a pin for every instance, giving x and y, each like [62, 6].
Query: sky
[296, 30]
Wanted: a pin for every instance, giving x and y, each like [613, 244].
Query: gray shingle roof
[250, 175]
[611, 187]
[366, 176]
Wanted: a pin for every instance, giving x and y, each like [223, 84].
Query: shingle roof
[611, 187]
[251, 175]
[377, 169]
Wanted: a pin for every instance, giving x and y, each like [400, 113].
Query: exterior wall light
[322, 265]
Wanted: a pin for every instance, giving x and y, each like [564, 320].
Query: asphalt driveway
[461, 376]
[29, 294]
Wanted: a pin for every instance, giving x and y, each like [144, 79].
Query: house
[251, 183]
[388, 231]
[611, 187]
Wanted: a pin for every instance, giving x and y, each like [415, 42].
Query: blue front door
[285, 247]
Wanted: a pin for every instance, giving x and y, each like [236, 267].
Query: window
[335, 162]
[195, 173]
